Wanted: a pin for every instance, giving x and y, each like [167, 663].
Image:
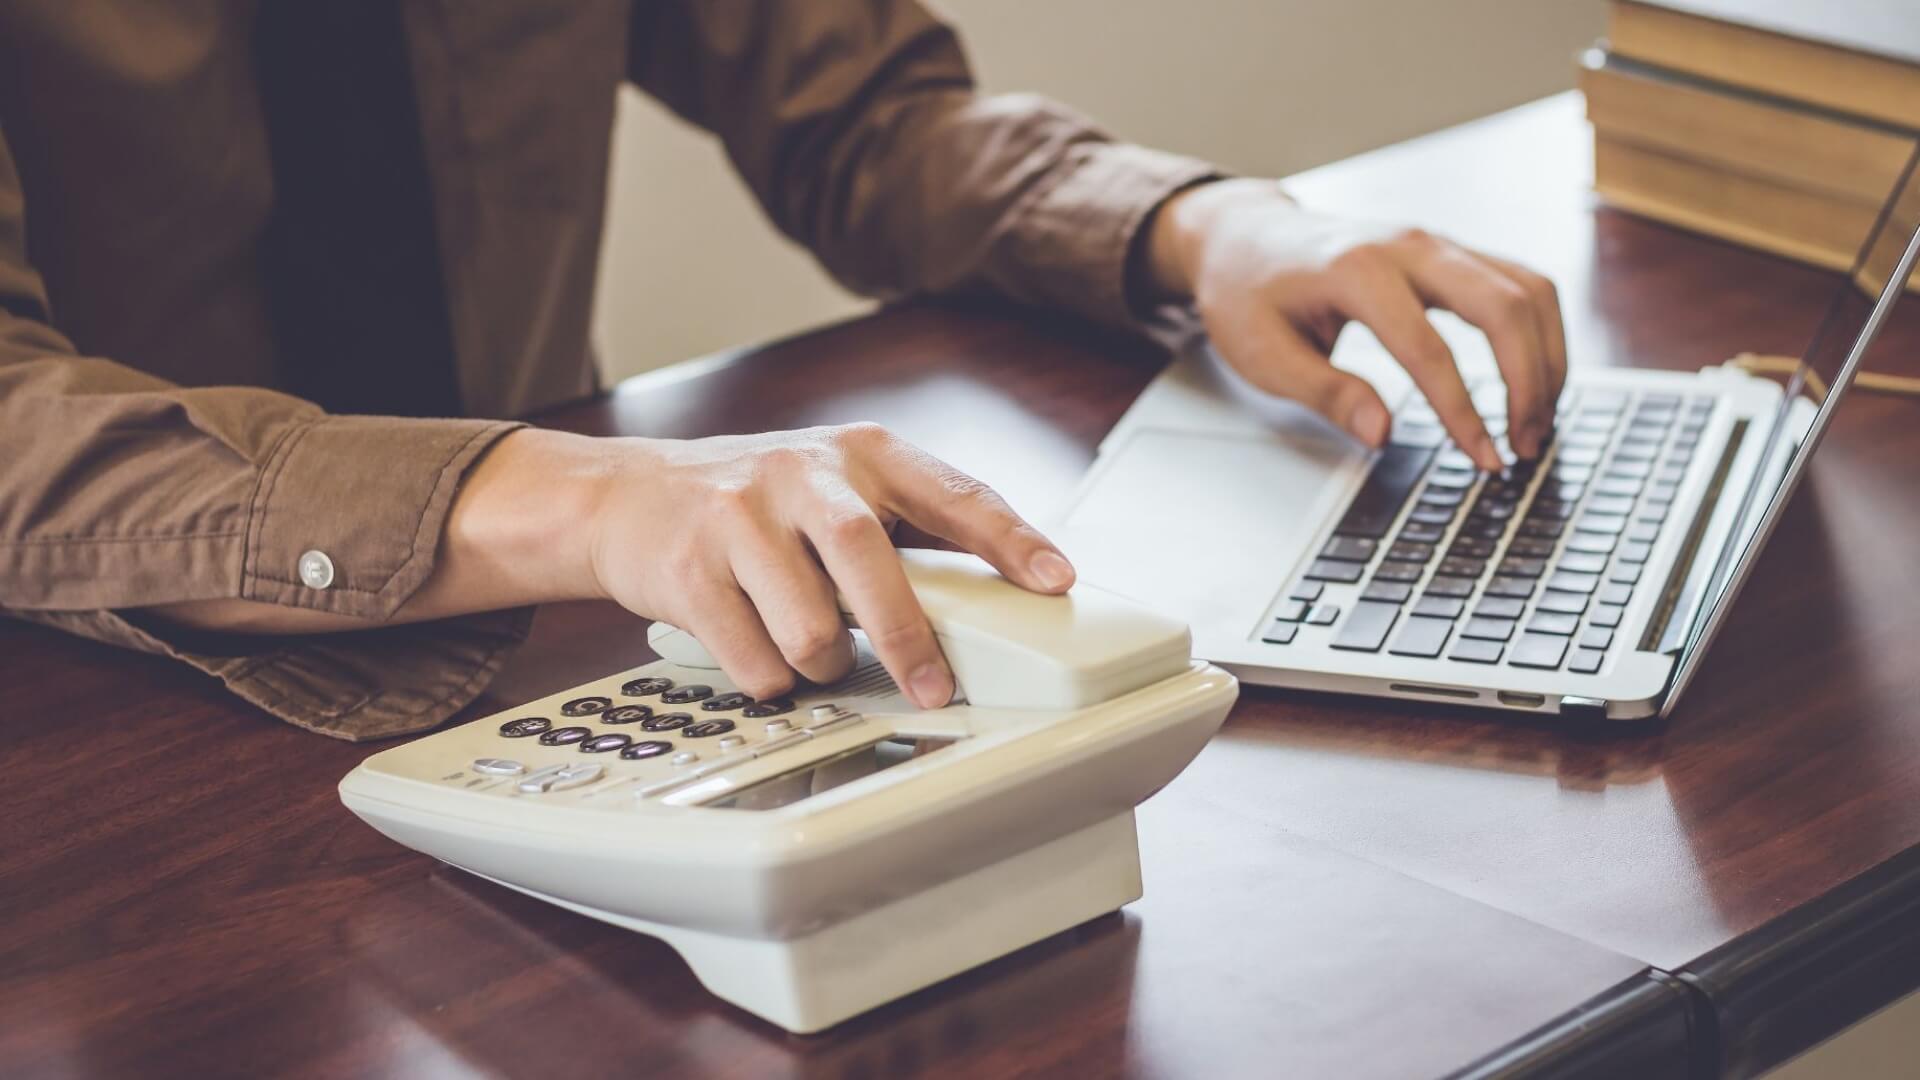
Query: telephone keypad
[707, 728]
[762, 709]
[626, 714]
[688, 693]
[586, 706]
[726, 702]
[565, 736]
[525, 726]
[646, 687]
[600, 744]
[667, 721]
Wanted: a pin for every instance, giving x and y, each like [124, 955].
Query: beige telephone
[816, 856]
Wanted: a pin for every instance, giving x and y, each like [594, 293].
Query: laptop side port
[1583, 708]
[1437, 691]
[1524, 701]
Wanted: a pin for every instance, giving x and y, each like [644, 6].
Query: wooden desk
[1334, 887]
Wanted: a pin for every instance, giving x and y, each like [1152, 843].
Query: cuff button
[316, 570]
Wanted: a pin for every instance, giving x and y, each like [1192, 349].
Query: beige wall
[1261, 86]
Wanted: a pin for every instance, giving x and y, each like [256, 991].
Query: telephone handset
[817, 855]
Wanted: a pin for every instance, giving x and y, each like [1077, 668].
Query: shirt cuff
[366, 684]
[1076, 234]
[347, 514]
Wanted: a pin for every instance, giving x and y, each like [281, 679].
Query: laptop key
[1422, 637]
[1398, 571]
[1585, 661]
[1281, 633]
[1593, 543]
[1410, 551]
[1443, 496]
[1626, 573]
[1491, 629]
[1514, 587]
[1600, 523]
[1481, 528]
[1522, 566]
[1635, 551]
[1290, 611]
[1643, 531]
[1323, 615]
[1611, 504]
[1387, 592]
[1607, 615]
[1596, 637]
[1500, 607]
[1568, 602]
[1538, 651]
[1421, 532]
[1537, 547]
[1477, 651]
[1439, 607]
[1613, 593]
[1345, 573]
[1456, 567]
[1618, 487]
[1583, 562]
[1471, 547]
[1307, 590]
[1450, 586]
[1393, 477]
[1543, 528]
[1350, 549]
[1430, 514]
[1366, 627]
[1568, 581]
[1554, 622]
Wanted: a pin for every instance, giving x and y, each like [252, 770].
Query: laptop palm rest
[1205, 523]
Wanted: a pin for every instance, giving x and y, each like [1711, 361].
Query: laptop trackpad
[1204, 526]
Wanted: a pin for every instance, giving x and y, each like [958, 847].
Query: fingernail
[932, 687]
[1052, 570]
[1369, 423]
[1489, 454]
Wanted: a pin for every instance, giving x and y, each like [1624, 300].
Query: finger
[1271, 354]
[1380, 296]
[1450, 278]
[796, 605]
[1546, 309]
[726, 624]
[859, 557]
[937, 498]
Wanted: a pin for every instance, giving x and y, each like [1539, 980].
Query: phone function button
[646, 687]
[760, 709]
[729, 742]
[559, 778]
[625, 714]
[525, 726]
[565, 736]
[496, 766]
[725, 702]
[600, 744]
[775, 727]
[824, 712]
[707, 728]
[684, 757]
[585, 706]
[651, 748]
[690, 692]
[666, 721]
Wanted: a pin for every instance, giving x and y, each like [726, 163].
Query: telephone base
[811, 983]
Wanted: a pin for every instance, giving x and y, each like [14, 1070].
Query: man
[251, 256]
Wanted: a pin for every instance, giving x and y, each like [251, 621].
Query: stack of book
[1779, 124]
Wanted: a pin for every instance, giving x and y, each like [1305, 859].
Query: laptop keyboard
[1532, 567]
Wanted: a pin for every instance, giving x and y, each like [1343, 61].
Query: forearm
[517, 535]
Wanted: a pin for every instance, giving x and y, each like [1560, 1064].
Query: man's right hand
[742, 540]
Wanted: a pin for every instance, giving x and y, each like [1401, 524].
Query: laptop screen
[1859, 307]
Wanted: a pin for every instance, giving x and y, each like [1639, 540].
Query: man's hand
[741, 540]
[1275, 283]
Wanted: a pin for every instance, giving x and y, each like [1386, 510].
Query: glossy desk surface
[1333, 888]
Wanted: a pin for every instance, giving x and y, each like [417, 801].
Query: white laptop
[1586, 584]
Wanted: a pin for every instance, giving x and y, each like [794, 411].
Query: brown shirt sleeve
[856, 124]
[120, 491]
